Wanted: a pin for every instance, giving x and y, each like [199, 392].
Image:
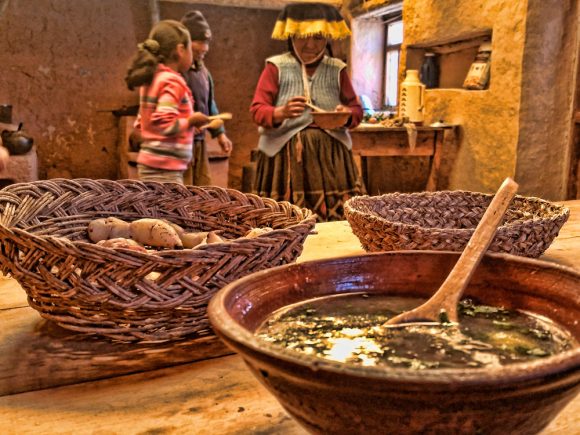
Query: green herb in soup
[351, 329]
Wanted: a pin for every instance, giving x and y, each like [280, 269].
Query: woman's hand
[341, 108]
[292, 109]
[198, 119]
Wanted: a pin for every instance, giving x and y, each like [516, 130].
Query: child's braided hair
[159, 47]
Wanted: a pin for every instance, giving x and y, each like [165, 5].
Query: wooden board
[204, 398]
[565, 249]
[209, 397]
[332, 239]
[36, 354]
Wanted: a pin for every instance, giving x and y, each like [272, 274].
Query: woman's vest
[324, 91]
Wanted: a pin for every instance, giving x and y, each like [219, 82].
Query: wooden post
[435, 160]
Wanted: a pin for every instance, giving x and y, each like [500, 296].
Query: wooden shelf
[456, 43]
[454, 56]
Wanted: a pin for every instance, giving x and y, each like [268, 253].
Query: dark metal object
[17, 142]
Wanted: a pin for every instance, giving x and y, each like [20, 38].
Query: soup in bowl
[531, 311]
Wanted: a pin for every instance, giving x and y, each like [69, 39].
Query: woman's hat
[197, 26]
[309, 19]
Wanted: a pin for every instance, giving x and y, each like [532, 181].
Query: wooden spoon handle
[452, 289]
[450, 292]
[315, 108]
[225, 116]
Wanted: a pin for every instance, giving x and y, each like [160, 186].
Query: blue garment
[200, 82]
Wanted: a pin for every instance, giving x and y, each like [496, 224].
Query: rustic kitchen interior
[61, 83]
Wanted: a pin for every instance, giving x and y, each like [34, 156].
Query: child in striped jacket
[166, 120]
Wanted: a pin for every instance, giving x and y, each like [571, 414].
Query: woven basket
[444, 221]
[112, 292]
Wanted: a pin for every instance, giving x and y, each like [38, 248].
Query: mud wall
[550, 63]
[519, 126]
[62, 65]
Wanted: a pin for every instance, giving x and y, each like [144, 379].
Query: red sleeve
[262, 107]
[349, 98]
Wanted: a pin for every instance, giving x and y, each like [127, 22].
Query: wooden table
[50, 382]
[376, 141]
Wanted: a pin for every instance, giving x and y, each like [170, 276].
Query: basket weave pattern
[444, 221]
[128, 295]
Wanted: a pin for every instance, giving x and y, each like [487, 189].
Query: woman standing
[298, 161]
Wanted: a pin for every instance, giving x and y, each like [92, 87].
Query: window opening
[394, 41]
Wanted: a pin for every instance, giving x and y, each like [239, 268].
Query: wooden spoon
[225, 116]
[315, 108]
[445, 300]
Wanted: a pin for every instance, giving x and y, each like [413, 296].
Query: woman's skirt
[313, 171]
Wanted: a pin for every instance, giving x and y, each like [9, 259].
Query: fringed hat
[309, 19]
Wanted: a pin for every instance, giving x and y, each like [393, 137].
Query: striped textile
[165, 107]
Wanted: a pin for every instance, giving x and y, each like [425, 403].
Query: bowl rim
[227, 326]
[331, 112]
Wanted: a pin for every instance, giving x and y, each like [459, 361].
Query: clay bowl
[330, 397]
[330, 120]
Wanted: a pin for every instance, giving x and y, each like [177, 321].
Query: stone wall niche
[520, 126]
[454, 56]
[488, 119]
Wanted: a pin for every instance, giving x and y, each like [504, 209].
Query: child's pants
[147, 173]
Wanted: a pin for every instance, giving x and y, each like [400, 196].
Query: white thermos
[412, 97]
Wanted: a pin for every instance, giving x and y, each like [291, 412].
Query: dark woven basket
[444, 221]
[112, 292]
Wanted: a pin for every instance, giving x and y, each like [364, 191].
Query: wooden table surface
[52, 382]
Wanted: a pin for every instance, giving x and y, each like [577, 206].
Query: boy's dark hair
[159, 47]
[197, 26]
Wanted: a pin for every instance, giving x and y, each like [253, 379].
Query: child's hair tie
[151, 45]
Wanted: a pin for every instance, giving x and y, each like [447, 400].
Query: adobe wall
[63, 63]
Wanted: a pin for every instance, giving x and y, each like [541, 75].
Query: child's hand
[225, 142]
[135, 140]
[198, 119]
[214, 124]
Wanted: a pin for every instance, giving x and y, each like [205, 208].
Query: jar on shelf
[429, 72]
[412, 97]
[478, 75]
